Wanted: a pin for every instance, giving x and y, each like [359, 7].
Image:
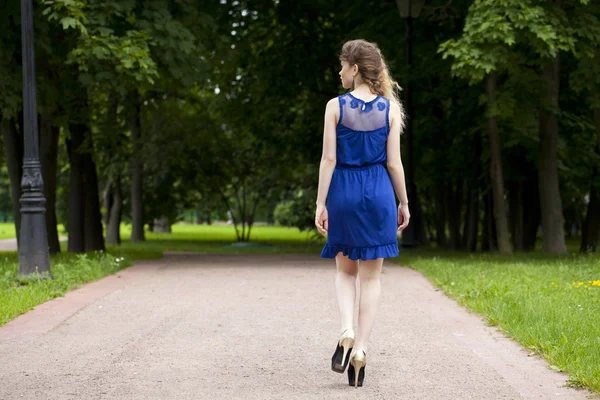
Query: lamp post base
[34, 256]
[33, 246]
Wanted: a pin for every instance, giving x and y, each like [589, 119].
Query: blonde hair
[373, 69]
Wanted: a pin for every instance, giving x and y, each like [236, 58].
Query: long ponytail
[389, 88]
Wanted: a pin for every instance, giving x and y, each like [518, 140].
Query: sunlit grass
[7, 230]
[222, 239]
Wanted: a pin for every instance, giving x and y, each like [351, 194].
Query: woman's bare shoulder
[334, 102]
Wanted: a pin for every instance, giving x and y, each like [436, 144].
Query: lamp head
[415, 8]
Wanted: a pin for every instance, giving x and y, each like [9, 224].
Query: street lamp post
[409, 10]
[33, 243]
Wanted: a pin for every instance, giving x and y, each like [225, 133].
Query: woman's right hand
[322, 219]
[403, 216]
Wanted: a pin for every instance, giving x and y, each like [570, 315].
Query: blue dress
[363, 217]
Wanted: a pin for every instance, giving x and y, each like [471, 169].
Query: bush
[298, 212]
[283, 214]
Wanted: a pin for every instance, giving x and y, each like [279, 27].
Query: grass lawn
[219, 238]
[550, 304]
[7, 230]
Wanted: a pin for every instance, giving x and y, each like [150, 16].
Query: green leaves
[496, 33]
[128, 56]
[105, 57]
[70, 13]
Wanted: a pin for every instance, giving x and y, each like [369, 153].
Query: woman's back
[362, 131]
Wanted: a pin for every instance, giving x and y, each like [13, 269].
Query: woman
[361, 137]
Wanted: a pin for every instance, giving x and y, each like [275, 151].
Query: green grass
[531, 297]
[211, 239]
[7, 230]
[547, 303]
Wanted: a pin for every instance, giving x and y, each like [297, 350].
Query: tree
[496, 39]
[585, 79]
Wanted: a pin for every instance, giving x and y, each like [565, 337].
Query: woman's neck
[363, 91]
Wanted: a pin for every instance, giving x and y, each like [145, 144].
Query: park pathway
[8, 244]
[200, 326]
[11, 244]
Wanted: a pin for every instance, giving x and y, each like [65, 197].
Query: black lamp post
[409, 10]
[33, 243]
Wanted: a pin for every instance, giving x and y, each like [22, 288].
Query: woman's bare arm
[394, 162]
[328, 159]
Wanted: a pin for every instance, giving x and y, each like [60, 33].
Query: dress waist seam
[361, 168]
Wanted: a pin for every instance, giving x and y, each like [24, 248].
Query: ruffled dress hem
[362, 253]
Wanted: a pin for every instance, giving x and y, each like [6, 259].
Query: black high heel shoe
[358, 362]
[341, 356]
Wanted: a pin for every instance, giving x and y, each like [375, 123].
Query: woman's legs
[345, 288]
[370, 291]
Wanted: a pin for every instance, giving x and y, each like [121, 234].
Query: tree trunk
[471, 230]
[106, 202]
[161, 225]
[137, 171]
[489, 241]
[516, 206]
[591, 225]
[496, 175]
[485, 237]
[553, 239]
[531, 210]
[199, 214]
[419, 221]
[76, 212]
[440, 221]
[453, 211]
[13, 151]
[114, 213]
[472, 220]
[429, 222]
[94, 239]
[48, 141]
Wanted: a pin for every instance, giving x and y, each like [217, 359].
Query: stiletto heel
[341, 356]
[356, 370]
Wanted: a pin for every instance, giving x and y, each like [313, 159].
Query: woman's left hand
[322, 220]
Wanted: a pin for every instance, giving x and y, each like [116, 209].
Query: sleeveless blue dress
[363, 217]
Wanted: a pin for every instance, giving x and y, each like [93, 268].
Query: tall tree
[137, 171]
[585, 80]
[497, 37]
[553, 239]
[496, 175]
[13, 152]
[10, 100]
[105, 53]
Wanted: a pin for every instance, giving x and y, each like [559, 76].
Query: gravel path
[200, 326]
[8, 244]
